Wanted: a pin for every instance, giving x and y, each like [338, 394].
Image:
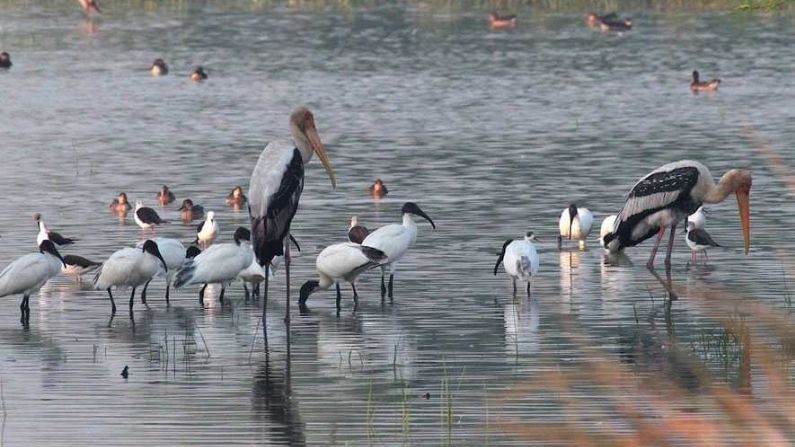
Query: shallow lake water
[492, 133]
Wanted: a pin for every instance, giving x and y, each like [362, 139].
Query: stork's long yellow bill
[317, 146]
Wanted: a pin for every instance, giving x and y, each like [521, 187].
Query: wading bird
[129, 267]
[174, 256]
[594, 20]
[165, 196]
[189, 211]
[159, 67]
[520, 260]
[699, 241]
[74, 265]
[669, 194]
[5, 60]
[28, 273]
[608, 224]
[219, 264]
[357, 233]
[575, 223]
[207, 231]
[699, 218]
[44, 233]
[697, 85]
[146, 217]
[340, 262]
[395, 239]
[275, 189]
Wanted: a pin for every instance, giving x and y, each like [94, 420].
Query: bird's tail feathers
[373, 254]
[185, 274]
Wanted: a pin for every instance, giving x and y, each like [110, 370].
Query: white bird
[275, 189]
[607, 227]
[520, 260]
[207, 230]
[699, 218]
[395, 239]
[44, 233]
[174, 256]
[28, 273]
[146, 217]
[129, 267]
[77, 265]
[669, 194]
[699, 241]
[338, 262]
[221, 263]
[575, 223]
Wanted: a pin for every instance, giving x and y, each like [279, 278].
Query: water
[492, 133]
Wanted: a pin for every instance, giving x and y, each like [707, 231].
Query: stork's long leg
[660, 234]
[670, 247]
[265, 294]
[528, 288]
[287, 276]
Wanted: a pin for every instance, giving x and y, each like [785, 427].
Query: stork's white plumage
[129, 267]
[608, 224]
[670, 193]
[275, 189]
[341, 262]
[174, 256]
[395, 239]
[219, 264]
[207, 230]
[520, 260]
[698, 219]
[28, 273]
[575, 223]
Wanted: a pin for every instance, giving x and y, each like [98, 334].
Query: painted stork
[699, 241]
[699, 218]
[28, 273]
[174, 256]
[165, 196]
[608, 224]
[520, 260]
[338, 262]
[575, 223]
[45, 234]
[275, 189]
[357, 233]
[146, 217]
[129, 267]
[207, 230]
[221, 263]
[395, 239]
[696, 85]
[670, 193]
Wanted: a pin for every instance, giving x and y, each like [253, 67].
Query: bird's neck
[408, 222]
[302, 143]
[718, 193]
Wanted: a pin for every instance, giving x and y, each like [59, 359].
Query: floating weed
[406, 409]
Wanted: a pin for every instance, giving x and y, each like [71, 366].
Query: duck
[378, 189]
[499, 21]
[198, 74]
[624, 24]
[190, 211]
[120, 204]
[699, 241]
[357, 233]
[593, 19]
[697, 85]
[236, 198]
[159, 67]
[5, 60]
[165, 196]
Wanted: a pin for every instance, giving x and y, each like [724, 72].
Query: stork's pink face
[305, 122]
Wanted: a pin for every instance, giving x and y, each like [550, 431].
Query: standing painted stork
[28, 273]
[129, 267]
[520, 260]
[207, 230]
[357, 233]
[699, 241]
[575, 223]
[670, 193]
[44, 233]
[395, 239]
[275, 189]
[344, 261]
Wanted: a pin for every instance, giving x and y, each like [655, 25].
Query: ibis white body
[128, 267]
[521, 260]
[608, 224]
[577, 229]
[28, 274]
[341, 262]
[394, 240]
[219, 264]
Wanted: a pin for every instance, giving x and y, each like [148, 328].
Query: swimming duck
[190, 211]
[236, 198]
[498, 21]
[707, 86]
[616, 25]
[5, 60]
[88, 5]
[198, 74]
[378, 189]
[120, 204]
[159, 67]
[593, 19]
[165, 196]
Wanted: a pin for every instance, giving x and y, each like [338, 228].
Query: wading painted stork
[669, 194]
[575, 223]
[395, 239]
[699, 241]
[28, 273]
[340, 262]
[129, 267]
[520, 260]
[357, 233]
[275, 189]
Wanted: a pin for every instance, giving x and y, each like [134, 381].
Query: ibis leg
[528, 288]
[201, 295]
[670, 247]
[143, 292]
[168, 287]
[245, 288]
[514, 285]
[132, 300]
[383, 286]
[339, 297]
[112, 303]
[287, 277]
[221, 297]
[660, 234]
[391, 280]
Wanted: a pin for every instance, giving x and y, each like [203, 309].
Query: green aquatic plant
[761, 5]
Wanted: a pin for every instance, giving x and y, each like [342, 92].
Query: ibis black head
[572, 215]
[187, 204]
[151, 247]
[306, 290]
[242, 234]
[502, 254]
[47, 246]
[531, 236]
[192, 252]
[413, 208]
